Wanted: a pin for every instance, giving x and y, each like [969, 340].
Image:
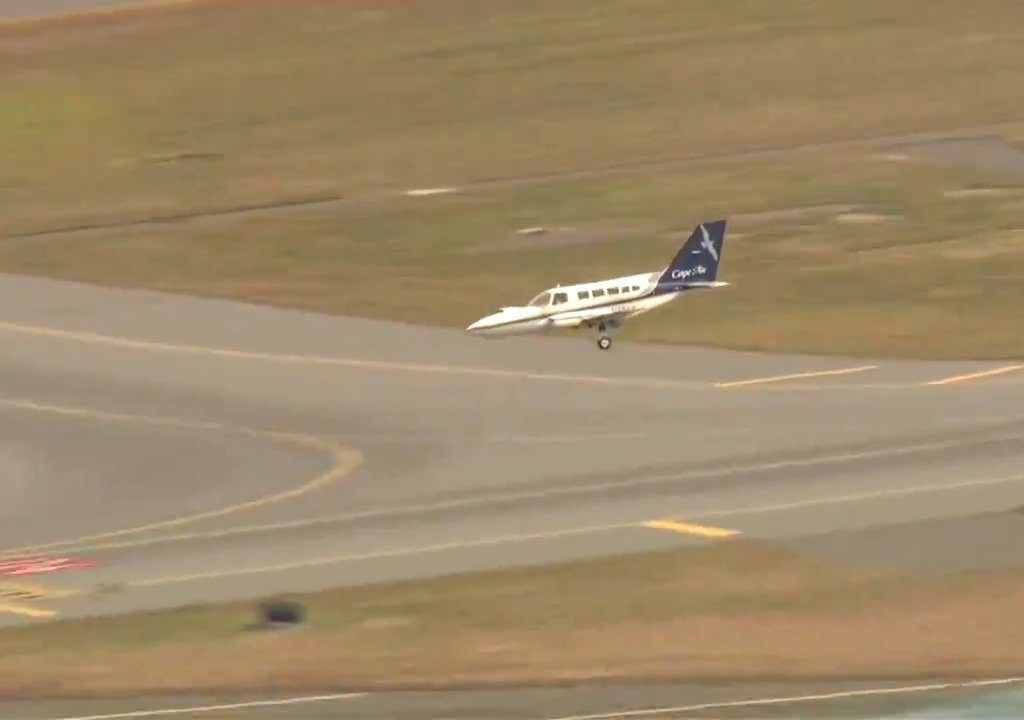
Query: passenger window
[583, 294]
[613, 291]
[560, 298]
[598, 292]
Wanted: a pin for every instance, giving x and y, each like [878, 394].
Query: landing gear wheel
[604, 342]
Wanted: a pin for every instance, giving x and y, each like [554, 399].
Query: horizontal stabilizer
[702, 284]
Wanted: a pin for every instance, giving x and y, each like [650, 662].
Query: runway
[196, 450]
[199, 450]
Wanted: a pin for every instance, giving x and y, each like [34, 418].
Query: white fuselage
[573, 305]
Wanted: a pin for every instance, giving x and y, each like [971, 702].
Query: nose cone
[483, 324]
[507, 321]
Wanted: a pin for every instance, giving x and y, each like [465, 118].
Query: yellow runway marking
[25, 610]
[330, 361]
[345, 461]
[689, 529]
[90, 338]
[794, 376]
[977, 375]
[19, 591]
[378, 513]
[18, 598]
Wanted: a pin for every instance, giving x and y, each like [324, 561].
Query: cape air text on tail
[605, 304]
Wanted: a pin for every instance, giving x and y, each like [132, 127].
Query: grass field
[198, 107]
[736, 610]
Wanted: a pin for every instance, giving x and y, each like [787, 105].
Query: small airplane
[604, 304]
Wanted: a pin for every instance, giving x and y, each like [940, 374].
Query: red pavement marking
[42, 565]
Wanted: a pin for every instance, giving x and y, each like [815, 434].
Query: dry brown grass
[275, 100]
[735, 610]
[939, 277]
[185, 109]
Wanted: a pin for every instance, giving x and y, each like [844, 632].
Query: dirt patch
[993, 154]
[1010, 242]
[862, 218]
[986, 38]
[969, 247]
[891, 157]
[948, 293]
[888, 254]
[811, 249]
[751, 221]
[542, 236]
[385, 623]
[982, 192]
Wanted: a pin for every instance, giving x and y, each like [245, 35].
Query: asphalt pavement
[187, 450]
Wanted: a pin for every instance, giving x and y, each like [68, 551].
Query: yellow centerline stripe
[26, 610]
[977, 375]
[690, 529]
[794, 376]
[344, 462]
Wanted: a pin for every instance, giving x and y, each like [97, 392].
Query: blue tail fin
[697, 261]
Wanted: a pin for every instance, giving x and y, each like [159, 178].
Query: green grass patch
[727, 610]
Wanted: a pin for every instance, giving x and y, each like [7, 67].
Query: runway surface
[24, 9]
[839, 701]
[195, 450]
[198, 450]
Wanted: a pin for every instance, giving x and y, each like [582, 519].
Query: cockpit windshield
[541, 300]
